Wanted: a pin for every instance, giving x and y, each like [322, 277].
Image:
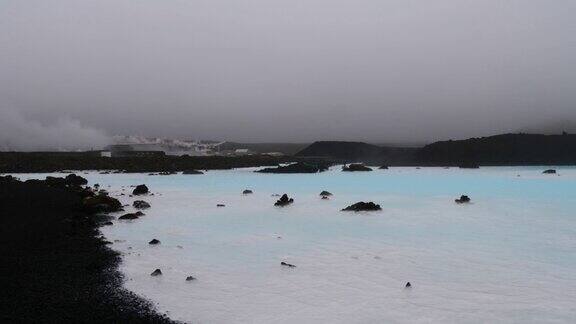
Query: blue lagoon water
[508, 257]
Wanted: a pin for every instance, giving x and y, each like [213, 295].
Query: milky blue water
[508, 257]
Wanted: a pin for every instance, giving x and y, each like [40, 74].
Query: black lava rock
[355, 167]
[156, 272]
[101, 203]
[549, 171]
[154, 241]
[363, 206]
[287, 264]
[325, 193]
[284, 201]
[468, 165]
[129, 216]
[300, 167]
[463, 199]
[76, 180]
[140, 204]
[192, 172]
[247, 192]
[140, 190]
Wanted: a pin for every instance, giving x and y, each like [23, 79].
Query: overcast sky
[286, 70]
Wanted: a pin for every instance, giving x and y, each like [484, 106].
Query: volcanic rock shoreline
[45, 162]
[55, 266]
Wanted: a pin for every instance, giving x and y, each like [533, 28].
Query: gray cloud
[298, 70]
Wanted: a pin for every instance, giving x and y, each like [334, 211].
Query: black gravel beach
[54, 266]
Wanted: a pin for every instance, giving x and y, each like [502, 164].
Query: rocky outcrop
[284, 201]
[101, 203]
[140, 204]
[154, 242]
[190, 278]
[71, 181]
[549, 171]
[75, 180]
[140, 190]
[325, 193]
[383, 167]
[300, 167]
[463, 199]
[363, 206]
[355, 167]
[247, 192]
[156, 272]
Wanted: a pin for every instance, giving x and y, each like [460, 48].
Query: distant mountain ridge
[505, 149]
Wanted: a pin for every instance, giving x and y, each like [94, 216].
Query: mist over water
[18, 133]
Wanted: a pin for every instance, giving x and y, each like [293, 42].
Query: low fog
[73, 72]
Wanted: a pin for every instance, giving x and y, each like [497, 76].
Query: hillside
[506, 149]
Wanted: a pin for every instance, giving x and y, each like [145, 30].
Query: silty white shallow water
[509, 256]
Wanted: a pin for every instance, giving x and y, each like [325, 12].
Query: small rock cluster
[284, 201]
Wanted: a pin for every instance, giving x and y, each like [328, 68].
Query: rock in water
[140, 204]
[140, 190]
[192, 172]
[154, 242]
[463, 199]
[299, 167]
[383, 167]
[247, 192]
[324, 198]
[156, 272]
[325, 193]
[220, 205]
[408, 285]
[284, 201]
[550, 171]
[355, 167]
[130, 216]
[363, 206]
[287, 264]
[101, 203]
[190, 278]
